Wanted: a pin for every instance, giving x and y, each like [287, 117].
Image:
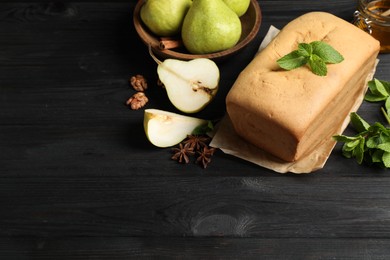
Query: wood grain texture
[79, 180]
[193, 248]
[234, 206]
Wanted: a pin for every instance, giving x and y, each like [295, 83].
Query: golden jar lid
[374, 18]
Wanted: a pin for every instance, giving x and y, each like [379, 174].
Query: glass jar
[373, 16]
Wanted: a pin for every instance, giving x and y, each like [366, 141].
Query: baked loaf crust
[290, 113]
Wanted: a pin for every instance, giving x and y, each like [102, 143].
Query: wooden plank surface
[78, 179]
[193, 248]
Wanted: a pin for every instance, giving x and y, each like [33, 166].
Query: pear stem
[152, 55]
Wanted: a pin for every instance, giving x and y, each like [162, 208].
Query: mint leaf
[370, 97]
[385, 136]
[377, 91]
[377, 156]
[344, 138]
[377, 87]
[371, 145]
[384, 147]
[305, 49]
[292, 60]
[380, 86]
[315, 54]
[326, 52]
[358, 122]
[386, 85]
[203, 129]
[387, 105]
[359, 151]
[386, 110]
[373, 142]
[317, 65]
[386, 159]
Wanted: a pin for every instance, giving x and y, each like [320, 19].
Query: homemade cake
[290, 113]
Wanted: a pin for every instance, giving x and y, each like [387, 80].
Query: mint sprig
[379, 91]
[203, 129]
[315, 54]
[371, 145]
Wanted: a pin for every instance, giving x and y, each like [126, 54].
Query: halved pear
[165, 129]
[190, 85]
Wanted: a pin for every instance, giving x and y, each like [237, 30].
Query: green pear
[238, 6]
[190, 85]
[210, 26]
[164, 17]
[165, 129]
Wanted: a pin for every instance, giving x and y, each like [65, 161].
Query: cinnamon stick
[167, 43]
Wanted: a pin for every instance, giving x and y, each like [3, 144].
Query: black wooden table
[78, 179]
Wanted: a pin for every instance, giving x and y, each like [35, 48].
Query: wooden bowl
[250, 23]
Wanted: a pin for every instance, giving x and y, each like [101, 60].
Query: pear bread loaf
[290, 113]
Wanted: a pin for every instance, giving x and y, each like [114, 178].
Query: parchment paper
[226, 139]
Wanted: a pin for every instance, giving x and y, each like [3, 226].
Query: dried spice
[167, 43]
[182, 154]
[205, 155]
[139, 83]
[137, 101]
[196, 142]
[197, 146]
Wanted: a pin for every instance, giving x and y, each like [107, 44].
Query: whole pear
[238, 6]
[210, 26]
[164, 17]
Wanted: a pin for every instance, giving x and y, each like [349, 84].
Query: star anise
[204, 157]
[182, 153]
[196, 142]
